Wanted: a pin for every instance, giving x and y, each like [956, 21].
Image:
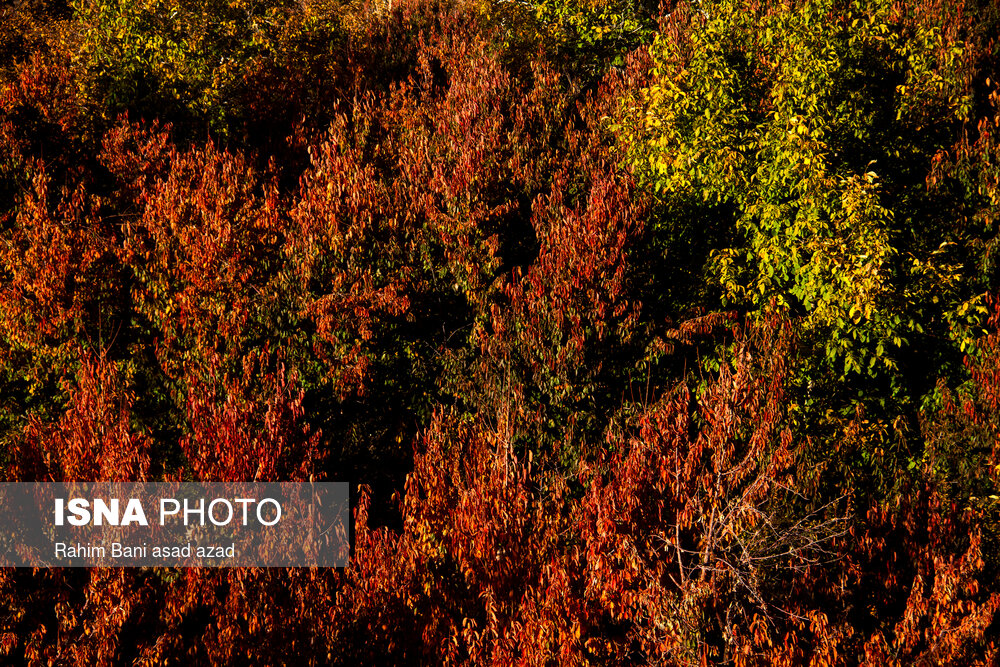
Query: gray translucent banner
[218, 524]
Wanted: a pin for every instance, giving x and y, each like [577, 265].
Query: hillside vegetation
[645, 335]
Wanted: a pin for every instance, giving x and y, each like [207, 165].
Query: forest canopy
[644, 333]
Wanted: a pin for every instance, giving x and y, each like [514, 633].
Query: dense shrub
[644, 336]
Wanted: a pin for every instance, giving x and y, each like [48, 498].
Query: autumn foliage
[645, 334]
